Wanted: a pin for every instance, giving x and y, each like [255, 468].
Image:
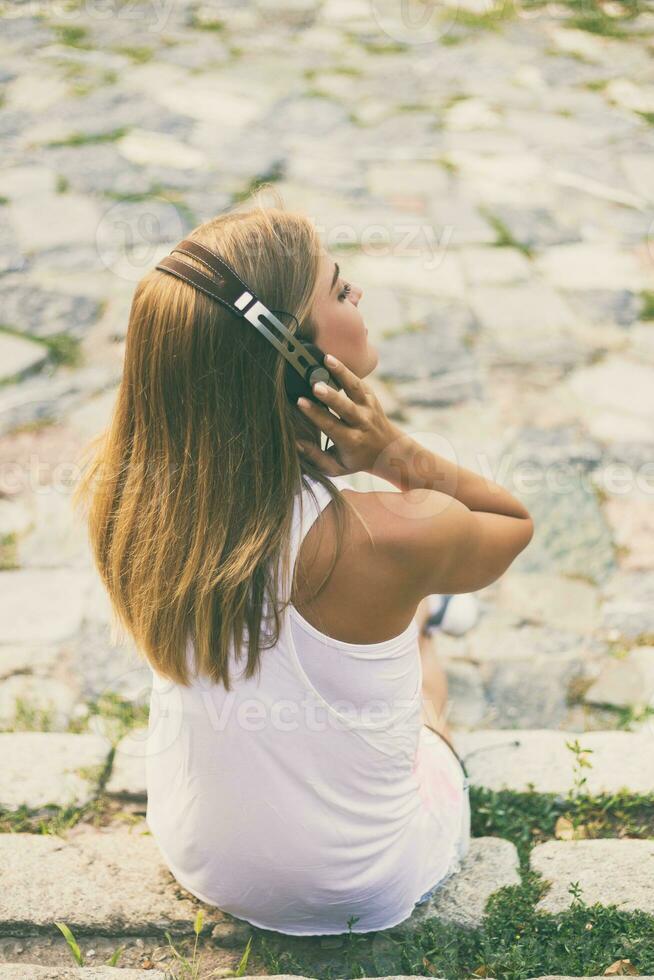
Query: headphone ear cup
[297, 386]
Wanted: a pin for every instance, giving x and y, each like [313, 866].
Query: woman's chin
[373, 360]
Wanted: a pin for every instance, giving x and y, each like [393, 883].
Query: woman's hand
[360, 433]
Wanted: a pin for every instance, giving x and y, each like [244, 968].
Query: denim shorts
[464, 838]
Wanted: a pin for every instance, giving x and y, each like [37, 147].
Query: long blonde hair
[190, 489]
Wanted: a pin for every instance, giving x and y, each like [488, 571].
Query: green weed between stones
[259, 183]
[631, 715]
[592, 16]
[74, 36]
[206, 24]
[119, 715]
[83, 139]
[530, 818]
[54, 820]
[647, 309]
[155, 190]
[62, 350]
[28, 718]
[76, 952]
[8, 552]
[503, 236]
[139, 55]
[516, 942]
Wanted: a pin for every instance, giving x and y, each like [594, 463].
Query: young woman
[297, 775]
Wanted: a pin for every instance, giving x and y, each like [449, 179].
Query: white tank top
[310, 800]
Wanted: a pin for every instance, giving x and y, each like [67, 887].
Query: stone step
[18, 355]
[115, 882]
[491, 863]
[50, 768]
[496, 759]
[127, 779]
[103, 882]
[61, 595]
[607, 872]
[513, 670]
[514, 760]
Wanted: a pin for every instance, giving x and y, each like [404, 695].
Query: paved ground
[486, 175]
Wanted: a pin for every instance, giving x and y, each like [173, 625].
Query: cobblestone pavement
[485, 173]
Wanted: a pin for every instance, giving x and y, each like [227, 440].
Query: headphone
[304, 360]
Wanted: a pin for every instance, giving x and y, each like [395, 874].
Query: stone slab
[571, 536]
[41, 768]
[52, 220]
[502, 311]
[625, 682]
[105, 883]
[27, 659]
[619, 760]
[627, 609]
[608, 872]
[593, 266]
[18, 355]
[616, 398]
[548, 599]
[127, 777]
[631, 518]
[39, 694]
[491, 864]
[532, 692]
[41, 606]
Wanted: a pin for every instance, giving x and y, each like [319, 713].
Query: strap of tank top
[304, 520]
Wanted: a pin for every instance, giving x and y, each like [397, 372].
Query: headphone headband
[228, 289]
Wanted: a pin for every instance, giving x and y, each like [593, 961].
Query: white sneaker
[453, 614]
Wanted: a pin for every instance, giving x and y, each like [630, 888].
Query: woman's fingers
[350, 381]
[320, 416]
[322, 460]
[339, 401]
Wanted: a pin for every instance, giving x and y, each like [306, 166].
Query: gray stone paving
[490, 864]
[50, 768]
[608, 872]
[94, 882]
[547, 761]
[117, 883]
[128, 766]
[497, 204]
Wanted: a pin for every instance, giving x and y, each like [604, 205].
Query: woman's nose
[355, 294]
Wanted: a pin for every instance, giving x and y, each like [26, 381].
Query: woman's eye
[346, 289]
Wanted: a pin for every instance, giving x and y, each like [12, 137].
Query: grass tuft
[85, 139]
[503, 235]
[8, 552]
[647, 308]
[73, 35]
[139, 55]
[120, 715]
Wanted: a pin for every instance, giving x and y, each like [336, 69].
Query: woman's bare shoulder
[367, 597]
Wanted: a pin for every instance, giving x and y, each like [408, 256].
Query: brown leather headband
[229, 289]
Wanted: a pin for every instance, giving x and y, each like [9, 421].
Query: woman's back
[311, 798]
